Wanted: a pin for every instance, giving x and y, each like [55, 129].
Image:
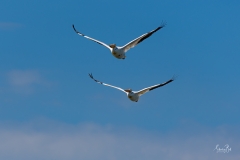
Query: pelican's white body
[118, 52]
[133, 96]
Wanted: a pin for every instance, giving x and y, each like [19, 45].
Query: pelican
[119, 52]
[134, 95]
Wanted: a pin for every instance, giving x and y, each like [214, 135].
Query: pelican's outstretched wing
[141, 92]
[106, 84]
[97, 41]
[138, 40]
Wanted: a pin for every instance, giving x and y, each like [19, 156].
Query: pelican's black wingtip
[77, 31]
[74, 28]
[90, 75]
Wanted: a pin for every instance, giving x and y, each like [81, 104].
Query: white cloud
[93, 142]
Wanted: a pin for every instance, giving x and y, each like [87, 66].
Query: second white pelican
[119, 52]
[134, 95]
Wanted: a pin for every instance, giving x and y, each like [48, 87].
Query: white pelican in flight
[134, 95]
[119, 52]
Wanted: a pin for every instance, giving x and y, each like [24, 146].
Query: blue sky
[50, 107]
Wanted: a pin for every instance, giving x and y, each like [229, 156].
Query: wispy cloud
[9, 25]
[21, 78]
[93, 142]
[24, 81]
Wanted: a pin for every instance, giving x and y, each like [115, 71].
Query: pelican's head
[128, 90]
[112, 46]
